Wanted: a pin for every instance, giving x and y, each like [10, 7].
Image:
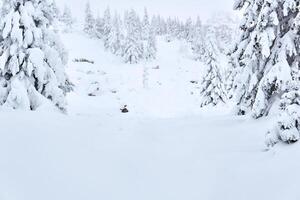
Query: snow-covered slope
[162, 88]
[165, 148]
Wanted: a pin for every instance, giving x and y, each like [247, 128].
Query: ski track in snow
[165, 148]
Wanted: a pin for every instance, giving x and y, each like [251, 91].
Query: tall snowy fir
[225, 27]
[107, 28]
[99, 27]
[198, 41]
[67, 19]
[116, 37]
[149, 38]
[150, 47]
[189, 30]
[252, 55]
[145, 25]
[133, 44]
[267, 60]
[212, 85]
[286, 128]
[89, 25]
[33, 59]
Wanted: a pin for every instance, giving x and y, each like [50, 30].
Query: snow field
[164, 148]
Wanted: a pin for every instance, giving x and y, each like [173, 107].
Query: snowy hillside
[131, 105]
[165, 148]
[149, 89]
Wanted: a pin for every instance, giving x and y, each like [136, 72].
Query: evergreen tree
[198, 46]
[67, 19]
[261, 36]
[115, 36]
[33, 56]
[287, 127]
[231, 74]
[159, 25]
[107, 28]
[149, 50]
[189, 30]
[266, 64]
[133, 45]
[225, 27]
[145, 25]
[89, 26]
[212, 85]
[99, 27]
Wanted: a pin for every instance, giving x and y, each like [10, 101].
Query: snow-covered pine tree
[198, 46]
[268, 64]
[145, 26]
[89, 25]
[170, 29]
[253, 55]
[115, 36]
[225, 27]
[267, 59]
[126, 19]
[133, 45]
[287, 127]
[99, 27]
[180, 30]
[150, 49]
[231, 74]
[159, 25]
[241, 80]
[212, 85]
[107, 28]
[67, 19]
[33, 59]
[149, 38]
[189, 30]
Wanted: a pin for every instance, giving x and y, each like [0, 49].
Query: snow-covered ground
[165, 148]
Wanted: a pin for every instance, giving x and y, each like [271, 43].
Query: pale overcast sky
[180, 8]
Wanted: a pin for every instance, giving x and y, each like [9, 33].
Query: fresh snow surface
[165, 148]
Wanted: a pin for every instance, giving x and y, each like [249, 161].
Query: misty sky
[180, 8]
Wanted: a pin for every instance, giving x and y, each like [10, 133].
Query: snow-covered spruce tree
[170, 29]
[67, 19]
[107, 28]
[115, 36]
[145, 25]
[99, 27]
[212, 85]
[225, 28]
[287, 127]
[239, 74]
[231, 74]
[159, 25]
[265, 54]
[174, 29]
[268, 64]
[149, 38]
[133, 44]
[89, 25]
[149, 48]
[189, 30]
[198, 45]
[33, 59]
